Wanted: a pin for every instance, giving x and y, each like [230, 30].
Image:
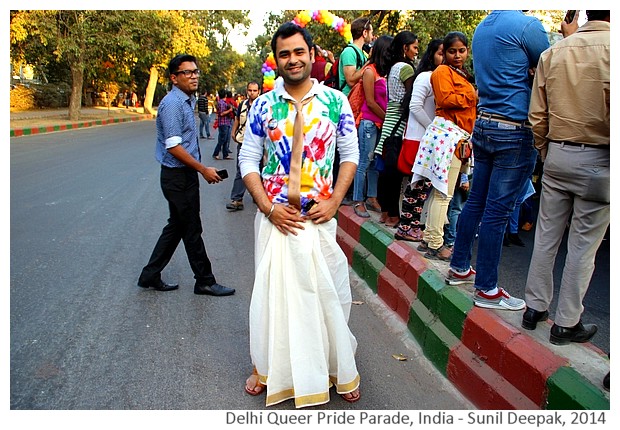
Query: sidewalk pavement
[26, 123]
[485, 353]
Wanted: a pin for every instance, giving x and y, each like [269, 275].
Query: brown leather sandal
[253, 386]
[354, 396]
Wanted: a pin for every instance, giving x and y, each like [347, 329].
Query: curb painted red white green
[29, 131]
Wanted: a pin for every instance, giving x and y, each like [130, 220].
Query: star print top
[328, 125]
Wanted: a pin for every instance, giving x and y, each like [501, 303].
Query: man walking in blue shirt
[178, 152]
[505, 47]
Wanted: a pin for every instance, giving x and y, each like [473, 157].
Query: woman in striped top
[402, 52]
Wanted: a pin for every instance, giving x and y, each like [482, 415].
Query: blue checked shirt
[176, 125]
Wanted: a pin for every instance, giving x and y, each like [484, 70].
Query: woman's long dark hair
[397, 55]
[427, 63]
[396, 48]
[379, 55]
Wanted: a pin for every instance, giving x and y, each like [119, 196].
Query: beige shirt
[570, 94]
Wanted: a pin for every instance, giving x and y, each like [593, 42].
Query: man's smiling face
[294, 59]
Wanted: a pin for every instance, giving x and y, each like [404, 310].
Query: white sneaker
[501, 300]
[455, 278]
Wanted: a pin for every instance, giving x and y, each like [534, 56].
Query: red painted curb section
[486, 388]
[347, 243]
[351, 223]
[523, 362]
[395, 294]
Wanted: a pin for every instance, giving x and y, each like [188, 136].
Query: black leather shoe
[532, 317]
[514, 239]
[213, 290]
[580, 333]
[606, 382]
[160, 286]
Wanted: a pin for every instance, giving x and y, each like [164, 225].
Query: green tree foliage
[71, 35]
[104, 46]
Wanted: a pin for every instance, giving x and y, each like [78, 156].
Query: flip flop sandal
[359, 213]
[411, 235]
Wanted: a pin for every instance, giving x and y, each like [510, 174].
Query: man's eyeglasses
[188, 73]
[367, 26]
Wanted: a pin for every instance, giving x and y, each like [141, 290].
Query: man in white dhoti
[300, 342]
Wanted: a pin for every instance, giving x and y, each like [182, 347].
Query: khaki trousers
[575, 180]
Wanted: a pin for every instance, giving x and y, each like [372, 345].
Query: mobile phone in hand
[570, 15]
[309, 204]
[223, 173]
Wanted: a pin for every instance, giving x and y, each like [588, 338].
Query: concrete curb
[28, 131]
[490, 361]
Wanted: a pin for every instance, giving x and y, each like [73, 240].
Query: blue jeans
[504, 159]
[223, 140]
[204, 123]
[526, 192]
[367, 133]
[454, 211]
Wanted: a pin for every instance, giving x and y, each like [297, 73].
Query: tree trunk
[150, 91]
[77, 83]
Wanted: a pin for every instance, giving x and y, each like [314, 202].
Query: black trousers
[181, 189]
[388, 191]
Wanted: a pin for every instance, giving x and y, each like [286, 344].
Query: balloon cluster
[327, 18]
[269, 73]
[302, 19]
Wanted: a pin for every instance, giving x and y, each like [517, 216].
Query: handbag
[407, 156]
[392, 146]
[463, 150]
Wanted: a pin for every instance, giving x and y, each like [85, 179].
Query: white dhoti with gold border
[300, 342]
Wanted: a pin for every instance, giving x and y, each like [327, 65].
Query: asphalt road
[86, 210]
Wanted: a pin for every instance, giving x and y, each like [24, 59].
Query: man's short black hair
[597, 15]
[174, 64]
[287, 30]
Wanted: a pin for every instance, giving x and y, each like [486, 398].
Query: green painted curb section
[430, 285]
[434, 338]
[568, 390]
[371, 268]
[420, 319]
[376, 240]
[359, 255]
[381, 244]
[438, 343]
[453, 307]
[367, 266]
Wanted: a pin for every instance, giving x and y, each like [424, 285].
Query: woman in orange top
[455, 100]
